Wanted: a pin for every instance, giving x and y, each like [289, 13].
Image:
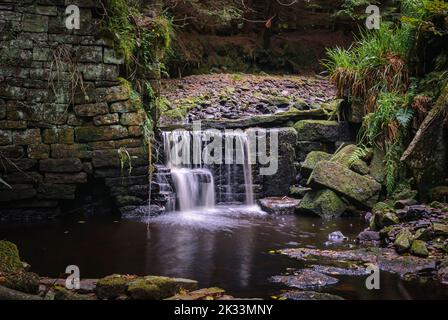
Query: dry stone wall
[63, 114]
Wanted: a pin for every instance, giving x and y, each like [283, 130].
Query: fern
[360, 153]
[404, 117]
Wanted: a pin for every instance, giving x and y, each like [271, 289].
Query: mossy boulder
[9, 257]
[360, 190]
[317, 130]
[418, 248]
[311, 161]
[324, 203]
[22, 281]
[403, 240]
[113, 286]
[157, 288]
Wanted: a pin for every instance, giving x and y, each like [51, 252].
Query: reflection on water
[226, 247]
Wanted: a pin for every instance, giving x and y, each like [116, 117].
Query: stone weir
[64, 116]
[299, 133]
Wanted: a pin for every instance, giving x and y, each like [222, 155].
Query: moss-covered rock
[157, 288]
[311, 161]
[324, 203]
[9, 257]
[403, 240]
[440, 229]
[361, 190]
[61, 293]
[22, 281]
[317, 130]
[111, 287]
[418, 248]
[345, 155]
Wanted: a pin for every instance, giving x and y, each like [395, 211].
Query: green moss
[113, 286]
[419, 248]
[156, 288]
[9, 257]
[324, 203]
[27, 282]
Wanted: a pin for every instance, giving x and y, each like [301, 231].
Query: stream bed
[227, 247]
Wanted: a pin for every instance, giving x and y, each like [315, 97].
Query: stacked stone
[52, 141]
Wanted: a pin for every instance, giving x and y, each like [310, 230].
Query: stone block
[124, 107]
[35, 23]
[56, 191]
[61, 151]
[60, 165]
[27, 137]
[91, 110]
[38, 151]
[133, 119]
[65, 178]
[58, 136]
[18, 192]
[5, 137]
[106, 120]
[91, 133]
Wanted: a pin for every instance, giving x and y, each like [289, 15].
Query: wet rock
[138, 212]
[311, 161]
[368, 236]
[403, 241]
[440, 229]
[157, 288]
[387, 259]
[324, 203]
[347, 270]
[22, 281]
[362, 190]
[424, 234]
[201, 294]
[418, 248]
[309, 295]
[317, 130]
[279, 206]
[337, 237]
[305, 279]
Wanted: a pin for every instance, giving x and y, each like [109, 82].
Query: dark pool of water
[228, 248]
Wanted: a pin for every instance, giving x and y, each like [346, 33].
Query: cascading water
[200, 185]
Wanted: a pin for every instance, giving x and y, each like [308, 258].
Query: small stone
[419, 248]
[440, 229]
[403, 241]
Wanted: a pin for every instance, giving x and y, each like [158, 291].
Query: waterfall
[201, 185]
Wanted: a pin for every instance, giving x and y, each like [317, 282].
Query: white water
[194, 183]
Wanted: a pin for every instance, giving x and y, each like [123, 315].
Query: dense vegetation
[389, 81]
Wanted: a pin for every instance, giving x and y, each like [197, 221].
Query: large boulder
[361, 190]
[317, 130]
[324, 203]
[312, 159]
